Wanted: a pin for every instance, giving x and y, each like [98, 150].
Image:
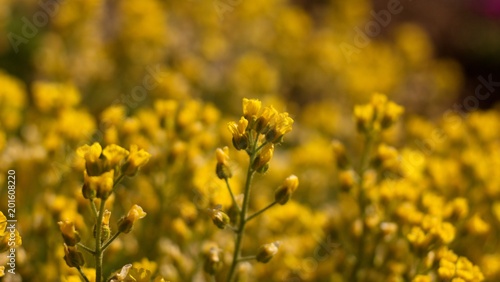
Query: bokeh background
[169, 75]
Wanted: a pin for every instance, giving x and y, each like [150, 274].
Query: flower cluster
[102, 170]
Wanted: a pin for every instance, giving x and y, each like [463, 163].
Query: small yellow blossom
[222, 169]
[91, 154]
[260, 163]
[476, 225]
[251, 108]
[267, 115]
[238, 130]
[135, 160]
[281, 125]
[69, 233]
[98, 186]
[126, 223]
[285, 191]
[115, 155]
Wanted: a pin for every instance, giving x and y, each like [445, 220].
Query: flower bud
[266, 252]
[222, 169]
[69, 233]
[126, 223]
[263, 158]
[114, 155]
[105, 229]
[98, 186]
[212, 262]
[135, 160]
[284, 192]
[73, 257]
[219, 218]
[92, 155]
[251, 108]
[238, 130]
[391, 114]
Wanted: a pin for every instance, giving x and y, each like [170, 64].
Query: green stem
[86, 248]
[362, 203]
[243, 213]
[232, 195]
[107, 243]
[98, 246]
[82, 274]
[93, 207]
[261, 211]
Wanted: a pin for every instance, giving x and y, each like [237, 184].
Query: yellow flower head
[69, 233]
[126, 223]
[114, 155]
[136, 159]
[260, 163]
[285, 191]
[262, 124]
[98, 186]
[281, 125]
[251, 108]
[222, 169]
[91, 154]
[238, 130]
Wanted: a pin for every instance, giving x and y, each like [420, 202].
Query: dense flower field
[149, 140]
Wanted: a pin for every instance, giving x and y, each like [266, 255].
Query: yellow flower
[476, 225]
[391, 114]
[136, 159]
[98, 186]
[251, 108]
[238, 130]
[281, 125]
[262, 123]
[126, 223]
[364, 116]
[69, 233]
[114, 155]
[285, 191]
[91, 154]
[260, 163]
[222, 169]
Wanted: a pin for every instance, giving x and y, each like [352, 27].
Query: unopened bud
[284, 192]
[266, 252]
[212, 261]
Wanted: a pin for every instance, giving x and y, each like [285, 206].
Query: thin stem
[82, 274]
[243, 213]
[246, 258]
[86, 248]
[107, 243]
[98, 248]
[232, 195]
[261, 211]
[362, 202]
[93, 207]
[118, 180]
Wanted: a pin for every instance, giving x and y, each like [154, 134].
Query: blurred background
[428, 53]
